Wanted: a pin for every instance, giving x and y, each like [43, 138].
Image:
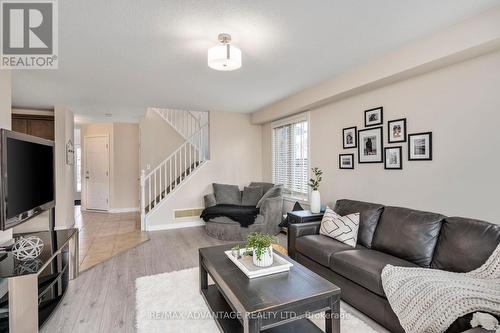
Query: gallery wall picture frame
[371, 145]
[346, 161]
[396, 130]
[420, 146]
[374, 117]
[350, 137]
[393, 158]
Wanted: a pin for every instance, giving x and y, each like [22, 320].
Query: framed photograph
[346, 161]
[350, 139]
[397, 130]
[370, 145]
[420, 146]
[393, 158]
[374, 117]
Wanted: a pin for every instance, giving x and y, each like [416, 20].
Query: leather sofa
[396, 236]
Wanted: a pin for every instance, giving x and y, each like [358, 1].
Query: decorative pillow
[264, 185]
[251, 195]
[296, 207]
[275, 191]
[227, 194]
[342, 228]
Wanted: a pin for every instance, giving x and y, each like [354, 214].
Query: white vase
[315, 202]
[266, 259]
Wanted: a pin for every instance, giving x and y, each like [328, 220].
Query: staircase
[175, 170]
[186, 123]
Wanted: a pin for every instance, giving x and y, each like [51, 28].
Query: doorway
[96, 172]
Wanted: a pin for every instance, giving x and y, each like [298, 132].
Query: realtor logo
[28, 34]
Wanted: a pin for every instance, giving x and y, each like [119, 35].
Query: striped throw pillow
[342, 228]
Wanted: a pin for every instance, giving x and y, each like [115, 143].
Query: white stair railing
[184, 122]
[162, 181]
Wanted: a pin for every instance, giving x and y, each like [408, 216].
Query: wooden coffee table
[274, 303]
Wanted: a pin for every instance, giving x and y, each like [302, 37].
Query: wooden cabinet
[40, 126]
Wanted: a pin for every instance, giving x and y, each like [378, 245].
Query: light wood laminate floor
[102, 299]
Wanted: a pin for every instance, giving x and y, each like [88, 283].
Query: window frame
[304, 116]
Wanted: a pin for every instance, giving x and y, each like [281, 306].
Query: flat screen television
[27, 177]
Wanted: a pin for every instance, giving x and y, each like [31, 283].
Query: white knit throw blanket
[429, 300]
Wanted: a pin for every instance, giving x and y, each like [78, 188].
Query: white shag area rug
[171, 302]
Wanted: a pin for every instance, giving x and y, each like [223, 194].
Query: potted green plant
[315, 199]
[261, 245]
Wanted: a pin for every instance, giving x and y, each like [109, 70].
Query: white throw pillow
[342, 228]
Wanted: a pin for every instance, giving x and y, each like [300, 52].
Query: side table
[302, 216]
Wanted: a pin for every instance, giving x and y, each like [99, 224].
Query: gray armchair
[267, 221]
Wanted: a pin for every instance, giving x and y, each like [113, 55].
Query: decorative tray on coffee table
[245, 264]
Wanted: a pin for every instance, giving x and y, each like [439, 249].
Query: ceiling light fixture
[224, 57]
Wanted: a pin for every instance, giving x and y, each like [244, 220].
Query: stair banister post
[143, 200]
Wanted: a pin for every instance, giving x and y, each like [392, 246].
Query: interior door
[96, 172]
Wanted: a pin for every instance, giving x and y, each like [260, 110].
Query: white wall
[467, 39]
[235, 158]
[267, 153]
[5, 99]
[125, 173]
[459, 104]
[5, 122]
[157, 140]
[65, 173]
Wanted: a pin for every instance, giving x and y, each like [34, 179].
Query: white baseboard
[111, 210]
[123, 210]
[176, 225]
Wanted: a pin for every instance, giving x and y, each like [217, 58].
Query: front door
[96, 172]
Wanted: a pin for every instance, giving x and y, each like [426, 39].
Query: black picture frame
[429, 157]
[386, 166]
[355, 137]
[389, 127]
[380, 121]
[360, 144]
[352, 161]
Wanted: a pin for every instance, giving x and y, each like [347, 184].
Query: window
[78, 169]
[290, 155]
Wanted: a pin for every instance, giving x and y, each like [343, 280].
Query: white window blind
[290, 155]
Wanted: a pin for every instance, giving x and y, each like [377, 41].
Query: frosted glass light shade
[224, 57]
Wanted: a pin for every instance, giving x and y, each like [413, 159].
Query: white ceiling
[121, 56]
